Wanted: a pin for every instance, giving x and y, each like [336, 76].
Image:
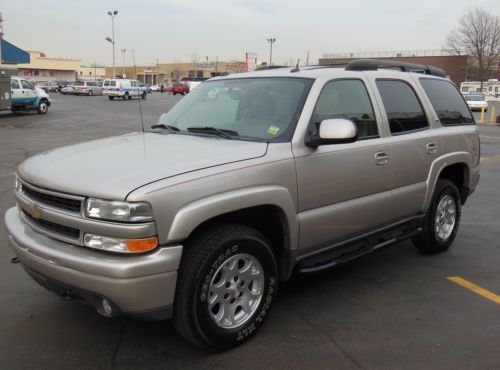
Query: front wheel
[91, 93]
[442, 219]
[111, 97]
[43, 107]
[143, 95]
[227, 284]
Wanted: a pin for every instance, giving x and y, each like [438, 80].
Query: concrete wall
[455, 66]
[42, 68]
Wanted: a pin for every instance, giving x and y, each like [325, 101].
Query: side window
[27, 85]
[402, 106]
[347, 99]
[133, 83]
[14, 84]
[447, 101]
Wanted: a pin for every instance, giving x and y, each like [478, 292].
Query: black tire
[126, 96]
[43, 106]
[111, 97]
[91, 93]
[143, 95]
[207, 253]
[429, 241]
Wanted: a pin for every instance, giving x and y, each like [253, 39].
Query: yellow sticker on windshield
[273, 130]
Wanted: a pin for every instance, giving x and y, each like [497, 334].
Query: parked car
[25, 96]
[123, 88]
[178, 88]
[477, 102]
[155, 88]
[68, 89]
[86, 88]
[63, 84]
[251, 177]
[42, 85]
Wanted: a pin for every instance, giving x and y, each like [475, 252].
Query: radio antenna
[140, 97]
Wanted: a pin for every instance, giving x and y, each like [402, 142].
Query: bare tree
[478, 34]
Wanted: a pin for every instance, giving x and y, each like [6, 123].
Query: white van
[123, 88]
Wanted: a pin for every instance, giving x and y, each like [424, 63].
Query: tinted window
[91, 84]
[347, 99]
[14, 84]
[403, 109]
[447, 101]
[79, 83]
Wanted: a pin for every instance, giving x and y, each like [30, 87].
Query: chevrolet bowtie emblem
[35, 211]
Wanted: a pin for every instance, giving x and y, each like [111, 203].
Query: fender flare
[437, 168]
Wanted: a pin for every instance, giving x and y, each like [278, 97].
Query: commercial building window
[404, 111]
[465, 89]
[199, 74]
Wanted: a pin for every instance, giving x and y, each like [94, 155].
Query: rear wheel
[91, 93]
[43, 107]
[111, 97]
[442, 219]
[143, 95]
[227, 284]
[126, 96]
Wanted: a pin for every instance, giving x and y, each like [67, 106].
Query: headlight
[120, 245]
[118, 210]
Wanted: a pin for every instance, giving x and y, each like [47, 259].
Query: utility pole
[112, 14]
[157, 72]
[95, 71]
[307, 59]
[123, 69]
[271, 41]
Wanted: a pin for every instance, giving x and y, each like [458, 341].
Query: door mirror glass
[333, 131]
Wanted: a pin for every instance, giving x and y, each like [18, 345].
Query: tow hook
[15, 260]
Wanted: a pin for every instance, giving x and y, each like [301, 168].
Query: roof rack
[264, 68]
[375, 64]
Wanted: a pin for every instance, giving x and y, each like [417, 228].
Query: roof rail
[375, 64]
[264, 68]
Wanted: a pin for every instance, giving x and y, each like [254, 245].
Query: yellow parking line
[475, 289]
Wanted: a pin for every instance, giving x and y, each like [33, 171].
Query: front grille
[53, 227]
[52, 200]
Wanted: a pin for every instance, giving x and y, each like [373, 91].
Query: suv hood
[113, 167]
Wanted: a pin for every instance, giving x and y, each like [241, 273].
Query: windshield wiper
[169, 128]
[226, 134]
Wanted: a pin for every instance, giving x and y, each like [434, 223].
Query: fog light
[106, 307]
[120, 245]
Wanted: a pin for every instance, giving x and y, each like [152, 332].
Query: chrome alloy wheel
[235, 291]
[445, 218]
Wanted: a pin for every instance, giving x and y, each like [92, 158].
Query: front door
[344, 189]
[30, 94]
[17, 92]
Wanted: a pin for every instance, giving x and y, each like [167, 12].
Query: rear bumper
[113, 93]
[142, 286]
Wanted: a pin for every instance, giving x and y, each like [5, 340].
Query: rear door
[414, 144]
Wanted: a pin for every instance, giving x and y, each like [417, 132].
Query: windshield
[251, 108]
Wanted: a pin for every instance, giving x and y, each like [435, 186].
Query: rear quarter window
[447, 102]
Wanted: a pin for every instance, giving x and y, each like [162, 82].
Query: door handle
[432, 148]
[381, 158]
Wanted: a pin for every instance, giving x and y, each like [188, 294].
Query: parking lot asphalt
[393, 309]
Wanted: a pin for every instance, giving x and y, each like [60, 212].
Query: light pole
[271, 41]
[123, 70]
[112, 14]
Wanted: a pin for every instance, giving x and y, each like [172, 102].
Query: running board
[353, 248]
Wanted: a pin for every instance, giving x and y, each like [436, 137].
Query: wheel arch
[453, 167]
[270, 210]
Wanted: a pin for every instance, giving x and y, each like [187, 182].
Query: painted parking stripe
[494, 158]
[475, 289]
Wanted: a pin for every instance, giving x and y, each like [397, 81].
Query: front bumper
[142, 285]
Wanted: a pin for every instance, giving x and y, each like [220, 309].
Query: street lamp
[112, 14]
[271, 41]
[123, 71]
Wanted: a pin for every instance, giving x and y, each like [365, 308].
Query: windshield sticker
[273, 130]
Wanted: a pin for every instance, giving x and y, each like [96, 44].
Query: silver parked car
[86, 88]
[249, 178]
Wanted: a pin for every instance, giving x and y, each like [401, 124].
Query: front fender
[192, 215]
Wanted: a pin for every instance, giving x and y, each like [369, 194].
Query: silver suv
[249, 178]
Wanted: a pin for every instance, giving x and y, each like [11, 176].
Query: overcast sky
[175, 30]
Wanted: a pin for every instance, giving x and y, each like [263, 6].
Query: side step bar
[353, 248]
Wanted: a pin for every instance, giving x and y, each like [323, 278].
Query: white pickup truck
[25, 96]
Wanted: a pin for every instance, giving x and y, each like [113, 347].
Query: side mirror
[333, 131]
